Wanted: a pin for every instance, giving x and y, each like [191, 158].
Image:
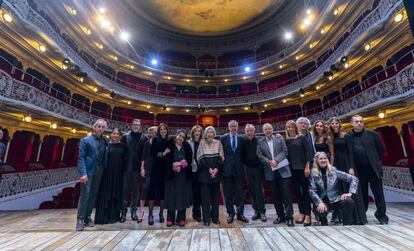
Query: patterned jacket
[317, 189]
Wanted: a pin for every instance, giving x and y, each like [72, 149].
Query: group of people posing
[328, 169]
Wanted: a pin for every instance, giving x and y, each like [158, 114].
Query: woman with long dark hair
[109, 201]
[322, 140]
[178, 179]
[299, 160]
[343, 162]
[156, 189]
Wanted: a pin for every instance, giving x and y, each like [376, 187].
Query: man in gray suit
[272, 152]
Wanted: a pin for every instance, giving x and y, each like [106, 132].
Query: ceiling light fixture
[398, 17]
[27, 118]
[102, 10]
[288, 35]
[124, 35]
[42, 48]
[154, 62]
[7, 17]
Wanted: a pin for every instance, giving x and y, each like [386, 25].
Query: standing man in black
[254, 173]
[134, 142]
[233, 173]
[366, 152]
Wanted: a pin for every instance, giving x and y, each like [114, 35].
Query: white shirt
[270, 144]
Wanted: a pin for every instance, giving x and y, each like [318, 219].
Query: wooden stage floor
[54, 230]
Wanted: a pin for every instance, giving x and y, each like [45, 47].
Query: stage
[54, 230]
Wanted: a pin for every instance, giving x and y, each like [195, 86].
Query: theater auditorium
[206, 125]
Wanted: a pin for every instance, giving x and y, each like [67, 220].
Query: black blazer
[133, 156]
[374, 149]
[232, 165]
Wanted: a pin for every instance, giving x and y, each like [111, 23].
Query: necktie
[233, 143]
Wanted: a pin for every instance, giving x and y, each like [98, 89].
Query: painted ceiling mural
[204, 17]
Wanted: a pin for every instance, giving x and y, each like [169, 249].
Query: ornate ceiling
[205, 17]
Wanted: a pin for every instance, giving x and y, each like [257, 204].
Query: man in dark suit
[254, 173]
[272, 152]
[233, 173]
[133, 141]
[91, 162]
[366, 152]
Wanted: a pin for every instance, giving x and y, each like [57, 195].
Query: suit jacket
[232, 165]
[333, 189]
[88, 155]
[373, 147]
[134, 156]
[280, 153]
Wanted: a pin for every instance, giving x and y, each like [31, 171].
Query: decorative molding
[384, 10]
[13, 184]
[398, 177]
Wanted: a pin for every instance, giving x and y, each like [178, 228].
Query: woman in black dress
[323, 141]
[343, 162]
[196, 134]
[109, 201]
[299, 160]
[159, 152]
[210, 158]
[178, 179]
[146, 166]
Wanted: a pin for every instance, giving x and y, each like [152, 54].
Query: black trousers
[255, 178]
[130, 183]
[235, 184]
[88, 194]
[209, 201]
[301, 185]
[368, 176]
[171, 216]
[281, 196]
[346, 207]
[196, 196]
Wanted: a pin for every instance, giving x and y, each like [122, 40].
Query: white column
[7, 151]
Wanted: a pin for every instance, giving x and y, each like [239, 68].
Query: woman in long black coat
[156, 187]
[109, 201]
[343, 162]
[178, 179]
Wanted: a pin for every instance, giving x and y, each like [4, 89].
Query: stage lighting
[66, 61]
[7, 17]
[328, 73]
[112, 95]
[154, 62]
[334, 67]
[247, 69]
[74, 68]
[344, 59]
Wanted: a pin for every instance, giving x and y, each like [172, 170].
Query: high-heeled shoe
[140, 217]
[161, 218]
[150, 220]
[308, 223]
[300, 221]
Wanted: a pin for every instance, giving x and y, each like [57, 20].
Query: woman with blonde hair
[299, 161]
[326, 192]
[210, 157]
